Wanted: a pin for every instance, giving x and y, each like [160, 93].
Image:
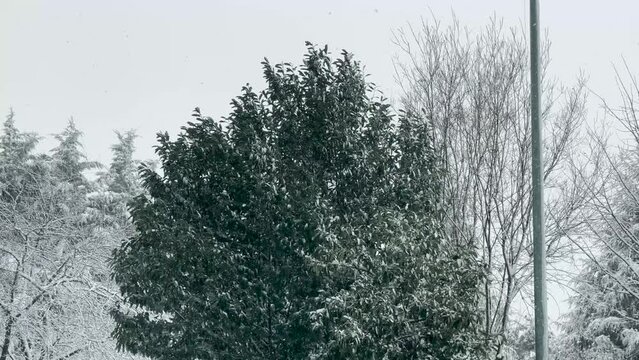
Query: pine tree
[16, 146]
[116, 186]
[55, 291]
[68, 157]
[123, 169]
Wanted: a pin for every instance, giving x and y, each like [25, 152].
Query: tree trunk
[7, 338]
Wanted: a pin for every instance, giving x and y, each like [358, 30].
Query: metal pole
[539, 244]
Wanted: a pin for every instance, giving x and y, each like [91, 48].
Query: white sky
[145, 65]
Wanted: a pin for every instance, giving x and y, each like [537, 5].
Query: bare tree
[474, 88]
[606, 301]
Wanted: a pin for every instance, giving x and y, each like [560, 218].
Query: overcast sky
[145, 65]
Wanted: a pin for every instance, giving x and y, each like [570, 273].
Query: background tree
[604, 321]
[474, 90]
[306, 225]
[54, 285]
[68, 159]
[115, 187]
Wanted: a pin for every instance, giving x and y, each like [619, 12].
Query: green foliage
[307, 224]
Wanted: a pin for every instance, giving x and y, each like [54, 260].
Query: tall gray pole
[539, 244]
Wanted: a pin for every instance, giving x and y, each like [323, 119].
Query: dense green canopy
[306, 225]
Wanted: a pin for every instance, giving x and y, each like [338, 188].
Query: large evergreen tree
[307, 224]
